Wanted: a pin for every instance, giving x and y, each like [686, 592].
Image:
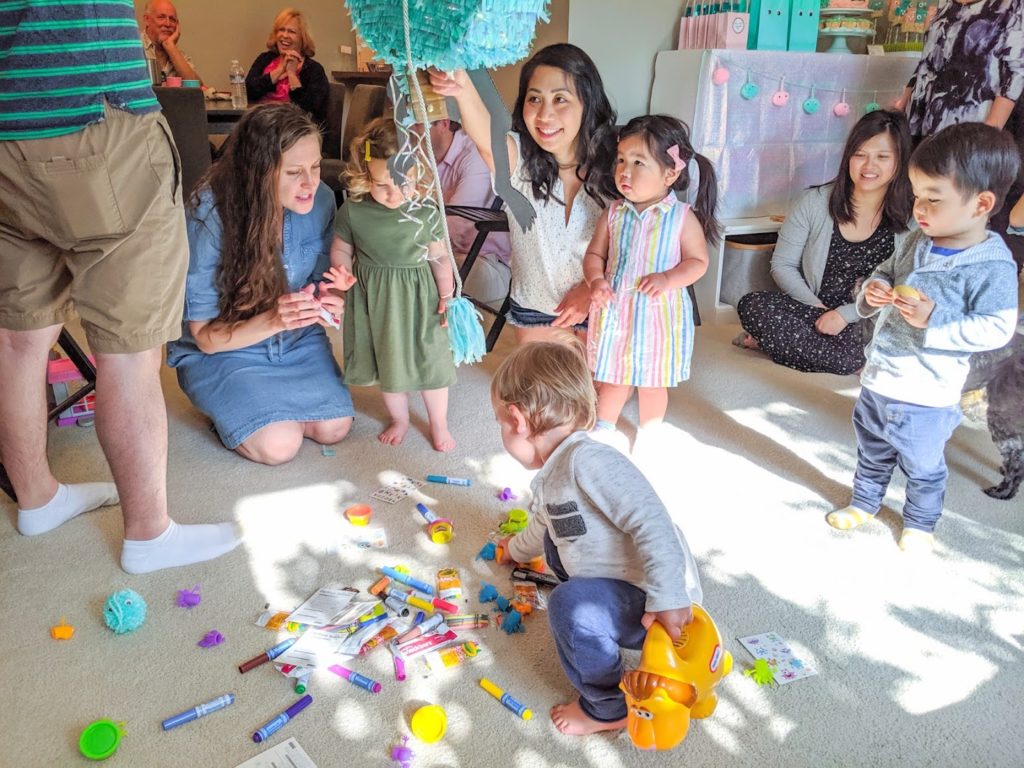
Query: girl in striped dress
[648, 248]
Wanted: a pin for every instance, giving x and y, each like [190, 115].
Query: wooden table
[221, 116]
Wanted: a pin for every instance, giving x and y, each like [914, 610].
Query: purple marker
[281, 720]
[355, 678]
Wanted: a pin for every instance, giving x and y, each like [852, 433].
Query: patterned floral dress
[635, 339]
[973, 52]
[784, 327]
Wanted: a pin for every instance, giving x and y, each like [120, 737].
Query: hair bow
[673, 152]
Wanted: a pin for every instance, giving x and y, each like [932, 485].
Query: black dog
[1001, 372]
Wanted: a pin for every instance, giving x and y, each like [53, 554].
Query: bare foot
[442, 439]
[571, 720]
[394, 433]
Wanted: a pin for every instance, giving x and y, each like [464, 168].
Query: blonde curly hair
[377, 141]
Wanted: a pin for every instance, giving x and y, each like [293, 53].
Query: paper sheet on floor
[771, 647]
[287, 754]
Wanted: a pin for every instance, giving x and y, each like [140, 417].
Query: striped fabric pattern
[636, 340]
[61, 60]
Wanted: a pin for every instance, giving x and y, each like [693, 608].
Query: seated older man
[160, 39]
[465, 180]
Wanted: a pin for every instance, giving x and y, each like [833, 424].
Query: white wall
[623, 39]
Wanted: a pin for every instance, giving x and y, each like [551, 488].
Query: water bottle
[239, 100]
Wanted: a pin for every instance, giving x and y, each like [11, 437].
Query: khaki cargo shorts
[92, 224]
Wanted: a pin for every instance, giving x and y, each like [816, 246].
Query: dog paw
[1002, 491]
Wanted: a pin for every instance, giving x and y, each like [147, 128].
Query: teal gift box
[803, 25]
[769, 25]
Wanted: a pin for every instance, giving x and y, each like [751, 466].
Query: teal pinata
[449, 34]
[124, 611]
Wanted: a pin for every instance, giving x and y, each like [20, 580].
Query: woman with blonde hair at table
[287, 70]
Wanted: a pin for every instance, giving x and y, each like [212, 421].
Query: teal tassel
[465, 331]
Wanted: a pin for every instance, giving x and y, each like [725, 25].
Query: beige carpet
[920, 659]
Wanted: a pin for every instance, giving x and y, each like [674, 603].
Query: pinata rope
[413, 85]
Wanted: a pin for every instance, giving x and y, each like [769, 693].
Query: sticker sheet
[774, 649]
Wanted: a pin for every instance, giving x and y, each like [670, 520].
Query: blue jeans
[891, 433]
[590, 620]
[521, 317]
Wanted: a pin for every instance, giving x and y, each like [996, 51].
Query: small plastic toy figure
[761, 673]
[62, 631]
[402, 754]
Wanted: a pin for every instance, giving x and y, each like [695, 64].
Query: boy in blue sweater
[951, 290]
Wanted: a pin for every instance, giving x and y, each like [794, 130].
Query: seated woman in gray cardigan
[833, 238]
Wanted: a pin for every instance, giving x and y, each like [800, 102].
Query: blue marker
[408, 580]
[281, 720]
[198, 711]
[268, 655]
[445, 480]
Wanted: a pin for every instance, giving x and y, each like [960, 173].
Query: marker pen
[302, 683]
[445, 480]
[504, 698]
[410, 599]
[199, 711]
[268, 655]
[408, 580]
[355, 678]
[429, 625]
[281, 720]
[397, 606]
[437, 602]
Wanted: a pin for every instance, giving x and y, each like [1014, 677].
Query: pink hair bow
[673, 152]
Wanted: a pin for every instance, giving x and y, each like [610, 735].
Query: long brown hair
[250, 277]
[897, 205]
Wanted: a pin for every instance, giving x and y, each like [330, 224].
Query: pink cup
[173, 82]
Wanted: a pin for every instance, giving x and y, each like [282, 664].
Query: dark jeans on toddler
[590, 620]
[890, 433]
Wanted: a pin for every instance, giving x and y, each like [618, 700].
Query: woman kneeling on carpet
[833, 238]
[253, 353]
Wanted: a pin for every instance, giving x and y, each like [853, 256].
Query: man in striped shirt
[91, 224]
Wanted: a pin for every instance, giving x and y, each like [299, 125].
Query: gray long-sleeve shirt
[607, 522]
[975, 295]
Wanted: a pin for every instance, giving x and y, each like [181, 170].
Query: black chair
[331, 165]
[185, 111]
[365, 103]
[81, 361]
[486, 220]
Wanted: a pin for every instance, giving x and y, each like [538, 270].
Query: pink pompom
[780, 98]
[842, 109]
[720, 76]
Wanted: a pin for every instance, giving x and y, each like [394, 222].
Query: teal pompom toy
[124, 611]
[465, 333]
[449, 34]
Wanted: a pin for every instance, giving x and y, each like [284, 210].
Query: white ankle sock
[179, 545]
[69, 501]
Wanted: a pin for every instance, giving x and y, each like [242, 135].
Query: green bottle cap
[100, 739]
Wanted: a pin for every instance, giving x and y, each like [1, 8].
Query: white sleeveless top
[547, 259]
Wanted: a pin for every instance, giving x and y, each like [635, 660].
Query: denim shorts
[521, 317]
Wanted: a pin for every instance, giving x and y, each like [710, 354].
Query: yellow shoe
[913, 540]
[848, 517]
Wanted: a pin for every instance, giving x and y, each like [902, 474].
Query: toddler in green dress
[389, 257]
